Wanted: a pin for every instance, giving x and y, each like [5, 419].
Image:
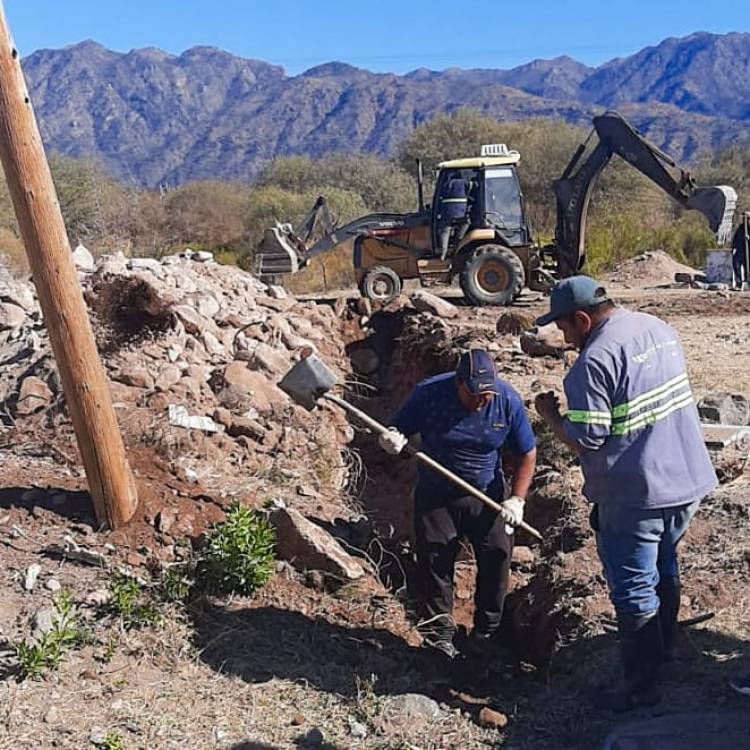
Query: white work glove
[511, 511]
[392, 442]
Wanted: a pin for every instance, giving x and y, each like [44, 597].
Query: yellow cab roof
[477, 162]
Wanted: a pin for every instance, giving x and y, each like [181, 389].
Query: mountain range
[153, 118]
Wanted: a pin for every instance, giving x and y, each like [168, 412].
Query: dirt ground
[304, 664]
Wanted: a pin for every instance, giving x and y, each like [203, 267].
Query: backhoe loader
[492, 251]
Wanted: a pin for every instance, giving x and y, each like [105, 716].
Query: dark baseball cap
[477, 370]
[569, 295]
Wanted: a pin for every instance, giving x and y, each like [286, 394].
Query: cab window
[502, 199]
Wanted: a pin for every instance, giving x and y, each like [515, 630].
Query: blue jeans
[638, 550]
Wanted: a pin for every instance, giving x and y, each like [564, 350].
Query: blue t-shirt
[467, 443]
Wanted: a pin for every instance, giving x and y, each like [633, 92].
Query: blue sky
[388, 35]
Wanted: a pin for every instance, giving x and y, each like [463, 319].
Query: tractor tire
[492, 275]
[381, 284]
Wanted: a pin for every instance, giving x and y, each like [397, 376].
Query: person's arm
[409, 418]
[407, 421]
[548, 408]
[588, 421]
[521, 443]
[523, 474]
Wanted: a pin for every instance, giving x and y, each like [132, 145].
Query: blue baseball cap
[477, 370]
[569, 295]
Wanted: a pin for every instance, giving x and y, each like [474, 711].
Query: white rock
[277, 292]
[357, 729]
[144, 264]
[414, 706]
[18, 294]
[207, 306]
[98, 598]
[212, 344]
[53, 585]
[179, 417]
[84, 260]
[11, 316]
[202, 256]
[32, 573]
[44, 621]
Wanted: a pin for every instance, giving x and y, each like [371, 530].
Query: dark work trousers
[440, 521]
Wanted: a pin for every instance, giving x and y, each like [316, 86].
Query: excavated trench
[550, 600]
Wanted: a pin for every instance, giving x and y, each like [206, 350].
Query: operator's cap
[477, 370]
[569, 295]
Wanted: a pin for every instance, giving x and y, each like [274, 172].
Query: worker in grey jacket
[632, 421]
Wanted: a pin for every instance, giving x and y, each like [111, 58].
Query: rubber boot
[642, 652]
[439, 633]
[669, 593]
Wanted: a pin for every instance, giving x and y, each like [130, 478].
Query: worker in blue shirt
[453, 208]
[633, 422]
[465, 419]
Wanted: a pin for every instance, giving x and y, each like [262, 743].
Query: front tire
[492, 275]
[381, 284]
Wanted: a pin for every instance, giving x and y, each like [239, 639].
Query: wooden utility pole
[43, 232]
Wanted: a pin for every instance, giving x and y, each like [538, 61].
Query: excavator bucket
[281, 252]
[717, 204]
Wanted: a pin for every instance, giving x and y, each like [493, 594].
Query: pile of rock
[185, 341]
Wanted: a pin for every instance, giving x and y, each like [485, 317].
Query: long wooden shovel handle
[428, 461]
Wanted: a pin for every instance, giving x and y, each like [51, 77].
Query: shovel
[311, 379]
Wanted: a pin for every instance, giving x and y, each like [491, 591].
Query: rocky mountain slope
[151, 117]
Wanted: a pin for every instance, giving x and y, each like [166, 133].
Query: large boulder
[240, 388]
[309, 547]
[546, 341]
[84, 260]
[429, 303]
[135, 375]
[33, 396]
[17, 294]
[11, 316]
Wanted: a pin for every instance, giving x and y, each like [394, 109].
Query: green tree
[381, 185]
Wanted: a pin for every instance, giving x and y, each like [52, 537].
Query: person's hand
[392, 442]
[547, 405]
[511, 511]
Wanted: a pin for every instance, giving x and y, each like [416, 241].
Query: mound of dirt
[652, 268]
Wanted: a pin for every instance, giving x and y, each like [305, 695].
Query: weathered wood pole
[43, 232]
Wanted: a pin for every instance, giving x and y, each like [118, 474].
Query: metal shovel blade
[307, 381]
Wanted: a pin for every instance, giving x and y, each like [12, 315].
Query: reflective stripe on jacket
[453, 203]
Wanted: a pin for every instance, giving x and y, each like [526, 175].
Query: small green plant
[130, 603]
[239, 553]
[109, 650]
[36, 657]
[112, 741]
[368, 704]
[177, 583]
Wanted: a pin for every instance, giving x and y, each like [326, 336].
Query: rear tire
[381, 284]
[492, 275]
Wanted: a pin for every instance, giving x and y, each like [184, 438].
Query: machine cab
[494, 199]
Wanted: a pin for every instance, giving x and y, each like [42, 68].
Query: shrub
[34, 658]
[130, 603]
[239, 553]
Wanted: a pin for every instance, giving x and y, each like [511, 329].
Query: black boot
[642, 651]
[669, 593]
[438, 634]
